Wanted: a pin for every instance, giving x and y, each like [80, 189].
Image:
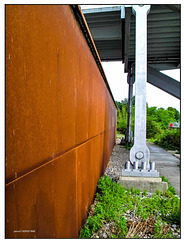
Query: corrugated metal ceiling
[109, 33]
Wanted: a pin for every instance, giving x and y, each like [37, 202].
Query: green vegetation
[170, 188]
[122, 116]
[169, 139]
[113, 202]
[119, 135]
[158, 121]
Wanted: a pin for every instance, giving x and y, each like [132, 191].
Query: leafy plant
[157, 229]
[160, 231]
[94, 223]
[85, 232]
[119, 135]
[170, 188]
[122, 227]
[121, 120]
[153, 128]
[145, 193]
[113, 201]
[170, 139]
[156, 126]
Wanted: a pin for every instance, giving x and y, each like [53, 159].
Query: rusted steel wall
[60, 122]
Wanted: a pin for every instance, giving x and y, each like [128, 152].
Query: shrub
[85, 232]
[152, 128]
[122, 120]
[170, 139]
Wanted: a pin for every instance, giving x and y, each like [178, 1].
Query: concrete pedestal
[144, 183]
[140, 173]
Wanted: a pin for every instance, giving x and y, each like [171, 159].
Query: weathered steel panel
[41, 55]
[44, 201]
[60, 122]
[89, 163]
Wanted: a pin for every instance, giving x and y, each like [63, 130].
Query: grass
[119, 135]
[170, 188]
[113, 202]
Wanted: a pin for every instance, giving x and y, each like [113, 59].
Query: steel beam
[139, 152]
[106, 32]
[130, 81]
[126, 37]
[164, 82]
[101, 9]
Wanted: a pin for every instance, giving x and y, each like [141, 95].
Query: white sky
[155, 97]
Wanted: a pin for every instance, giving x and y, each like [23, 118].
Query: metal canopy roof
[114, 36]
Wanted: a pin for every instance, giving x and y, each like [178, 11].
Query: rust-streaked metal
[60, 122]
[42, 201]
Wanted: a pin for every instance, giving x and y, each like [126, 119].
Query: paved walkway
[166, 164]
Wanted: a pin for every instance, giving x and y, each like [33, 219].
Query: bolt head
[139, 155]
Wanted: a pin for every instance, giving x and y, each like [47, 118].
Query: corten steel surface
[60, 122]
[43, 200]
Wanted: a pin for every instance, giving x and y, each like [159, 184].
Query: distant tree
[157, 119]
[152, 111]
[176, 113]
[119, 105]
[152, 128]
[125, 101]
[122, 120]
[164, 117]
[122, 114]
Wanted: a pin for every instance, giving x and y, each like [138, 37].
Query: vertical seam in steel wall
[86, 32]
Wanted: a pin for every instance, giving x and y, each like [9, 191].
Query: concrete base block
[140, 173]
[144, 183]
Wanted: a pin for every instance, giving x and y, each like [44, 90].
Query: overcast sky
[155, 97]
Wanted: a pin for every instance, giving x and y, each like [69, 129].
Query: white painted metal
[122, 11]
[135, 167]
[139, 152]
[143, 165]
[127, 165]
[101, 9]
[152, 166]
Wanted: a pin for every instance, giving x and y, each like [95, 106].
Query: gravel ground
[142, 228]
[117, 161]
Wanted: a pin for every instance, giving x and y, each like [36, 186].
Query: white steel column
[139, 152]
